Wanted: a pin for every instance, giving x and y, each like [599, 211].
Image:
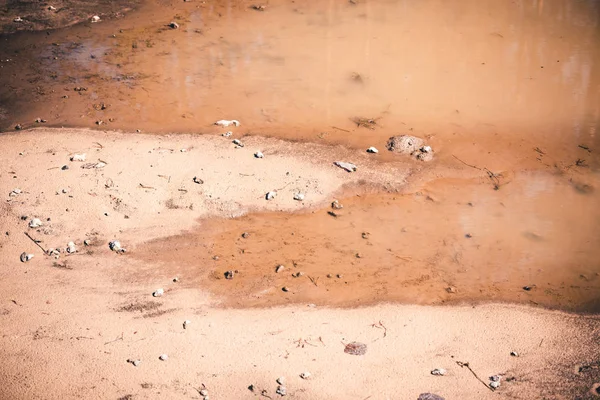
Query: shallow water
[304, 70]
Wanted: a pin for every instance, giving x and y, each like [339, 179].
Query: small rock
[426, 149]
[358, 255]
[40, 120]
[25, 257]
[285, 289]
[336, 205]
[115, 245]
[329, 276]
[270, 195]
[346, 166]
[87, 242]
[355, 348]
[245, 235]
[18, 19]
[64, 167]
[495, 378]
[135, 363]
[204, 392]
[237, 142]
[495, 384]
[528, 288]
[227, 134]
[163, 357]
[299, 196]
[281, 390]
[71, 248]
[279, 268]
[258, 154]
[95, 18]
[258, 7]
[77, 157]
[198, 180]
[514, 354]
[158, 292]
[229, 274]
[297, 274]
[176, 279]
[468, 236]
[51, 8]
[65, 191]
[305, 375]
[15, 192]
[173, 25]
[372, 150]
[365, 235]
[429, 396]
[280, 380]
[186, 323]
[183, 150]
[251, 388]
[451, 289]
[35, 223]
[438, 371]
[226, 122]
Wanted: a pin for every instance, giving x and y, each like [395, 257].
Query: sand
[71, 324]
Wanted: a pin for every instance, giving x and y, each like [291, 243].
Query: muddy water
[455, 70]
[452, 241]
[510, 86]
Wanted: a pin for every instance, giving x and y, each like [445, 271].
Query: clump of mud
[410, 145]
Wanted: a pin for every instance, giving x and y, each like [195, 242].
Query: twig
[146, 187]
[541, 341]
[313, 280]
[116, 340]
[99, 145]
[380, 326]
[345, 130]
[462, 364]
[468, 165]
[35, 241]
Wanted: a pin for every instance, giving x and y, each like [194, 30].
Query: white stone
[71, 248]
[495, 384]
[439, 371]
[95, 18]
[270, 195]
[299, 196]
[346, 165]
[237, 142]
[77, 157]
[186, 323]
[158, 292]
[227, 134]
[305, 375]
[281, 380]
[372, 150]
[259, 154]
[35, 223]
[204, 392]
[163, 357]
[226, 122]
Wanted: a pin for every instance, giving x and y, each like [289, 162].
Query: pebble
[245, 235]
[78, 157]
[258, 154]
[297, 274]
[227, 134]
[281, 380]
[514, 354]
[26, 257]
[372, 150]
[204, 392]
[495, 384]
[173, 25]
[229, 274]
[95, 18]
[285, 289]
[15, 192]
[35, 223]
[451, 289]
[279, 268]
[439, 372]
[281, 390]
[237, 142]
[71, 248]
[163, 357]
[64, 167]
[115, 245]
[134, 362]
[198, 180]
[158, 292]
[305, 375]
[495, 378]
[426, 149]
[429, 396]
[346, 165]
[299, 196]
[336, 205]
[270, 195]
[176, 279]
[87, 242]
[186, 323]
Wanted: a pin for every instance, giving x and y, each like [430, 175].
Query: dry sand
[70, 325]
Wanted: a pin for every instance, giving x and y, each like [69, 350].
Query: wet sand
[504, 93]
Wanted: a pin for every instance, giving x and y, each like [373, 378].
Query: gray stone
[429, 396]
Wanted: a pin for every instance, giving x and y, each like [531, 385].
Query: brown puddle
[540, 231]
[457, 70]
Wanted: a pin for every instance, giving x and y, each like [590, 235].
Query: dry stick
[462, 364]
[345, 130]
[35, 241]
[117, 339]
[468, 165]
[313, 280]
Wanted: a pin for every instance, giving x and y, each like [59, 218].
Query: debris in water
[438, 371]
[158, 292]
[355, 348]
[270, 195]
[299, 196]
[26, 257]
[345, 165]
[226, 122]
[35, 223]
[77, 157]
[372, 150]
